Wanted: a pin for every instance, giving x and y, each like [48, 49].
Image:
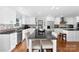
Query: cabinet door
[30, 20]
[71, 36]
[13, 40]
[23, 34]
[77, 36]
[19, 37]
[4, 43]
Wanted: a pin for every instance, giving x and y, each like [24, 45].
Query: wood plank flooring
[61, 46]
[21, 47]
[68, 46]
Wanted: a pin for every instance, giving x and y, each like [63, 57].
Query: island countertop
[48, 35]
[71, 29]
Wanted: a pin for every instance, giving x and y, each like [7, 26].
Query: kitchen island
[47, 36]
[9, 39]
[72, 34]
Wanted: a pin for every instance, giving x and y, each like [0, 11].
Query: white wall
[7, 15]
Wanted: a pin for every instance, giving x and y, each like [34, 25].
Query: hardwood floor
[61, 46]
[68, 46]
[21, 47]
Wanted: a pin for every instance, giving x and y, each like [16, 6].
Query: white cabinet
[77, 18]
[57, 20]
[4, 43]
[13, 40]
[23, 20]
[72, 36]
[70, 20]
[29, 20]
[8, 42]
[24, 33]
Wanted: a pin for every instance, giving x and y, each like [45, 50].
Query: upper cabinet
[57, 20]
[28, 20]
[23, 20]
[49, 18]
[77, 18]
[7, 15]
[18, 20]
[70, 20]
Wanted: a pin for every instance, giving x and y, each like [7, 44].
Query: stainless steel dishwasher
[19, 36]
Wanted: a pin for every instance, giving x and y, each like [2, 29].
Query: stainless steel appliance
[19, 36]
[77, 25]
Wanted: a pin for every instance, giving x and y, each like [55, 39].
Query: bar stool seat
[47, 44]
[35, 43]
[36, 46]
[64, 37]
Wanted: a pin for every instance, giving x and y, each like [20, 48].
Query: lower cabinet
[73, 36]
[8, 42]
[24, 34]
[19, 37]
[4, 42]
[13, 40]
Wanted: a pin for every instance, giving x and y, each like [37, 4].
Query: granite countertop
[9, 31]
[47, 35]
[71, 29]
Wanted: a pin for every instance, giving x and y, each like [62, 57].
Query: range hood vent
[62, 21]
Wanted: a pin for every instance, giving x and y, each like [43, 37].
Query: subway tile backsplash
[6, 26]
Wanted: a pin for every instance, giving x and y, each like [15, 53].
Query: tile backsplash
[6, 26]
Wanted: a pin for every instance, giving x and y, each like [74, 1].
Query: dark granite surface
[7, 32]
[47, 35]
[72, 29]
[10, 31]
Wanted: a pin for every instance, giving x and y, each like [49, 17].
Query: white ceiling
[55, 11]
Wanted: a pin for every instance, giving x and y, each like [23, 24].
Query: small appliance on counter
[48, 27]
[26, 26]
[77, 25]
[70, 26]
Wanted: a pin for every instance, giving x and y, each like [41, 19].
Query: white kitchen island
[48, 36]
[8, 41]
[72, 34]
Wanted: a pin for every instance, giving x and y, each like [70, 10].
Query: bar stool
[47, 45]
[64, 37]
[35, 43]
[36, 46]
